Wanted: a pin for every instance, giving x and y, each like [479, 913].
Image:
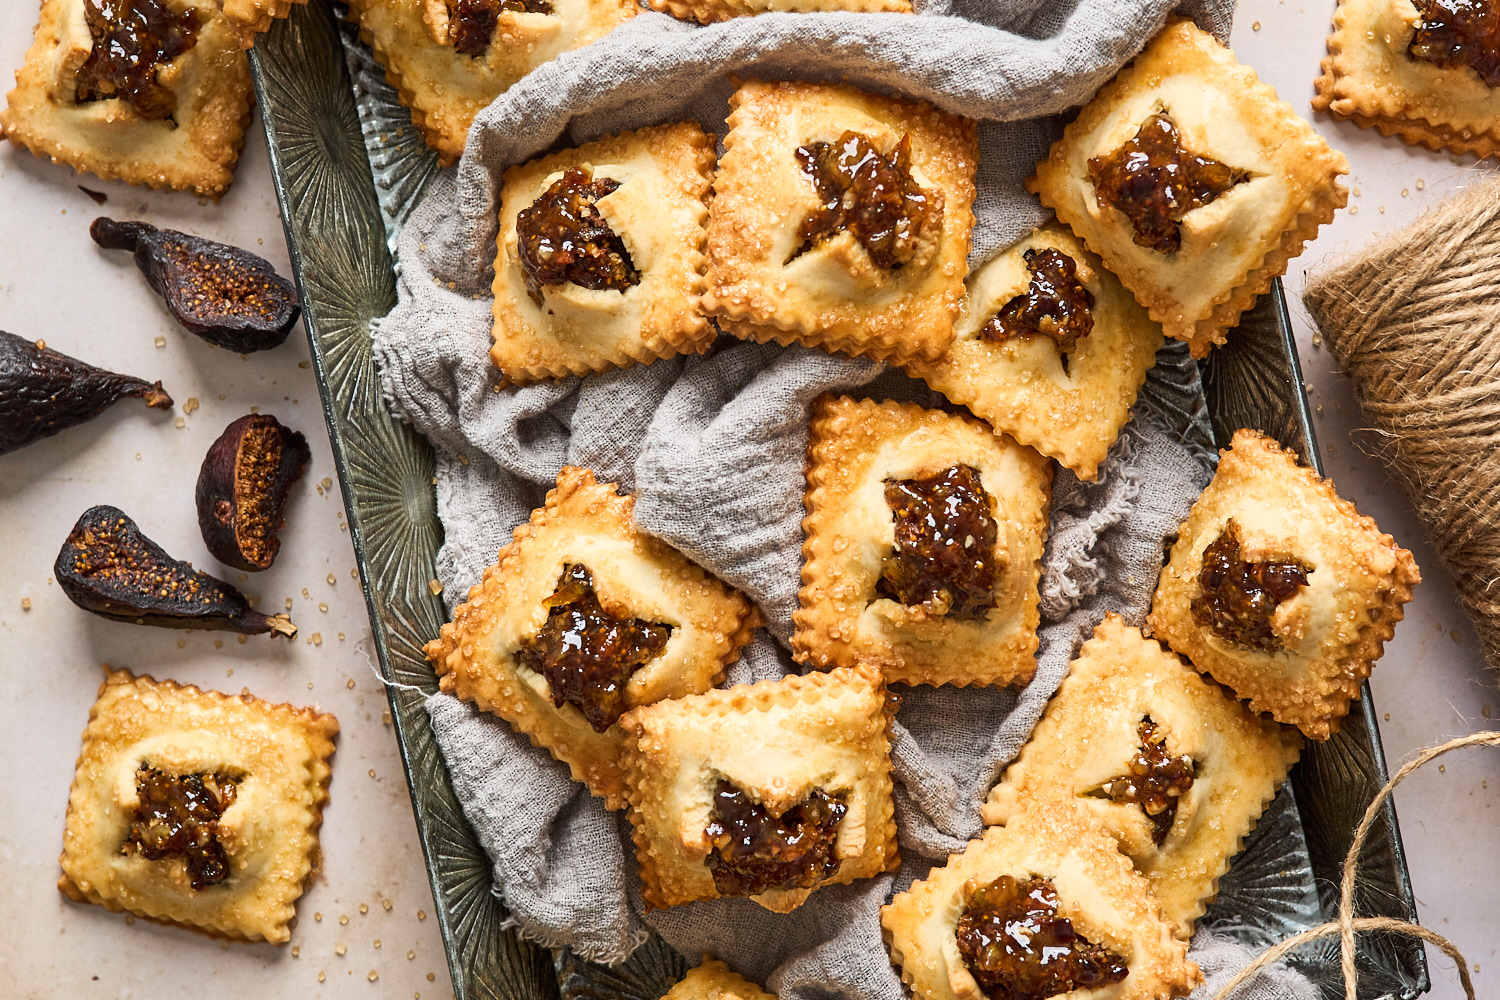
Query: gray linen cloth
[713, 447]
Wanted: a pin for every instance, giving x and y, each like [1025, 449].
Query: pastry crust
[1231, 247]
[1091, 731]
[1369, 79]
[853, 447]
[247, 17]
[445, 89]
[710, 11]
[634, 575]
[1332, 630]
[778, 741]
[269, 832]
[1108, 903]
[660, 213]
[1072, 413]
[713, 980]
[834, 295]
[109, 138]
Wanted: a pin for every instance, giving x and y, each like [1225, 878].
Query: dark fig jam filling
[1054, 305]
[586, 653]
[178, 816]
[944, 556]
[131, 39]
[869, 195]
[471, 23]
[1154, 780]
[1018, 948]
[1238, 598]
[563, 238]
[1457, 33]
[754, 851]
[1156, 182]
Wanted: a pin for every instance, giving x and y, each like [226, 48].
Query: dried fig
[108, 567]
[243, 488]
[43, 392]
[228, 296]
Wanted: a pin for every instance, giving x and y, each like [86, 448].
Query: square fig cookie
[639, 203]
[924, 536]
[713, 980]
[1406, 68]
[1280, 590]
[1252, 184]
[1050, 349]
[801, 759]
[196, 808]
[797, 255]
[182, 122]
[1048, 867]
[448, 59]
[1175, 769]
[711, 11]
[582, 618]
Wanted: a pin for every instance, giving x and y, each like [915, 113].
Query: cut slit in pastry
[581, 618]
[1172, 767]
[1280, 590]
[1196, 245]
[196, 808]
[166, 107]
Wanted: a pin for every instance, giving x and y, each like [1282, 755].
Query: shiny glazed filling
[131, 39]
[586, 653]
[471, 23]
[1156, 182]
[178, 816]
[1154, 779]
[871, 196]
[1456, 33]
[1054, 305]
[1238, 598]
[944, 555]
[754, 851]
[1018, 948]
[563, 238]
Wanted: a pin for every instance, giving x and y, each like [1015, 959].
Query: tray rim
[353, 501]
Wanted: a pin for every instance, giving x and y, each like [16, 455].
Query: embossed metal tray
[348, 167]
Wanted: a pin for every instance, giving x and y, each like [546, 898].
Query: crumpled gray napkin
[713, 447]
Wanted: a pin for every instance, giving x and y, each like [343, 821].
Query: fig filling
[131, 39]
[563, 238]
[1054, 305]
[178, 816]
[1457, 33]
[1018, 948]
[471, 23]
[1156, 182]
[869, 195]
[586, 653]
[1238, 598]
[944, 556]
[1154, 779]
[754, 851]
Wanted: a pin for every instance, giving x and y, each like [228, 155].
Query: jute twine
[1347, 924]
[1414, 320]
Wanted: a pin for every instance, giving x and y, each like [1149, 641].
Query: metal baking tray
[348, 167]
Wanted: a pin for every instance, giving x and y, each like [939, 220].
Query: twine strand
[1347, 924]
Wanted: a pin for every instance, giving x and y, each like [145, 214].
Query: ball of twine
[1414, 319]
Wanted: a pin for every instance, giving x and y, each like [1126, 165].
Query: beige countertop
[365, 927]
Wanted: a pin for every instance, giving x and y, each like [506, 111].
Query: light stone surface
[55, 285]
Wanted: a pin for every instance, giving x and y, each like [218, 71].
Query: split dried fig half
[109, 567]
[228, 296]
[243, 487]
[43, 392]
